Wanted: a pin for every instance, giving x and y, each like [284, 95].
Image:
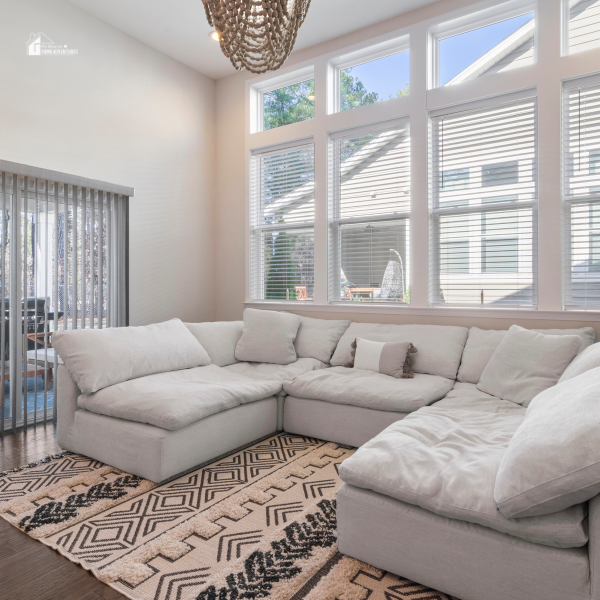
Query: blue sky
[386, 75]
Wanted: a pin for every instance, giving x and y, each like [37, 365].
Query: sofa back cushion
[553, 460]
[482, 343]
[585, 361]
[219, 339]
[439, 347]
[98, 358]
[526, 363]
[268, 336]
[317, 338]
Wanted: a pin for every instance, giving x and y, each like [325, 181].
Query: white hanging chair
[393, 284]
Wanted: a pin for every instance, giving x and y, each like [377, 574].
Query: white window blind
[484, 206]
[581, 196]
[369, 212]
[282, 207]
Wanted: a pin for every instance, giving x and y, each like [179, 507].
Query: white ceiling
[178, 28]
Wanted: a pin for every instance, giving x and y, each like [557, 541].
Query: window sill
[468, 312]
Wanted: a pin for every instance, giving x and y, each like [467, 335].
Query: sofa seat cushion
[466, 396]
[282, 373]
[446, 461]
[175, 399]
[368, 389]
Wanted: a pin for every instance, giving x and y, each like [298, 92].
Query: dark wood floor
[28, 569]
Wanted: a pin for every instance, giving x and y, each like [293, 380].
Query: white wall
[234, 142]
[120, 112]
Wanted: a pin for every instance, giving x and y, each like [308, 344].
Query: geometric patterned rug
[258, 523]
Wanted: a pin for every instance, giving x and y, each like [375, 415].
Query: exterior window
[500, 255]
[375, 81]
[484, 243]
[454, 257]
[457, 179]
[583, 25]
[581, 196]
[282, 224]
[493, 48]
[289, 104]
[500, 174]
[369, 214]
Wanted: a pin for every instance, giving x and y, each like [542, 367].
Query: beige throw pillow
[388, 358]
[268, 337]
[527, 363]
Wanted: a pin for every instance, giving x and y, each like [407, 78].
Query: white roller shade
[581, 196]
[282, 208]
[484, 206]
[369, 210]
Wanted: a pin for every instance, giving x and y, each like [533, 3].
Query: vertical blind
[62, 266]
[282, 211]
[484, 206]
[369, 214]
[581, 196]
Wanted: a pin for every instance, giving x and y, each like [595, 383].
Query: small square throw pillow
[388, 358]
[526, 363]
[268, 336]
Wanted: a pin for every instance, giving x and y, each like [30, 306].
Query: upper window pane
[375, 81]
[289, 104]
[492, 49]
[584, 25]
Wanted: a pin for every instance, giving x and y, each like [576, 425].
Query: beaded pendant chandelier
[257, 35]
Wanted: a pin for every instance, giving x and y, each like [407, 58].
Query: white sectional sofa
[418, 497]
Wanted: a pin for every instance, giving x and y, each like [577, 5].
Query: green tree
[353, 93]
[281, 277]
[289, 104]
[405, 91]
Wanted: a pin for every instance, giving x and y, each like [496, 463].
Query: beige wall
[120, 112]
[232, 150]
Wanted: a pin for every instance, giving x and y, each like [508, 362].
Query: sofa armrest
[66, 396]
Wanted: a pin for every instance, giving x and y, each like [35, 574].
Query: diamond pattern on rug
[258, 523]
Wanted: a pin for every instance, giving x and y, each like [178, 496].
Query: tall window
[369, 214]
[483, 206]
[581, 196]
[282, 207]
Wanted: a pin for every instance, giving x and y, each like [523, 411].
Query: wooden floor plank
[28, 569]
